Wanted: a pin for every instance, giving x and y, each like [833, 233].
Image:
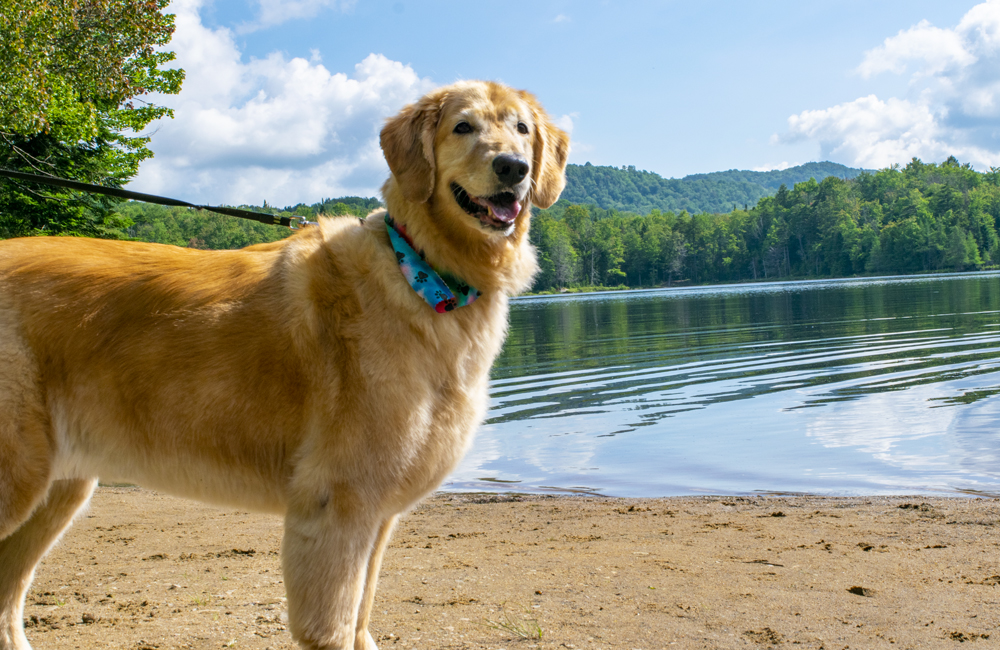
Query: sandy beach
[144, 571]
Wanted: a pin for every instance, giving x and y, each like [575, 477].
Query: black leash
[294, 222]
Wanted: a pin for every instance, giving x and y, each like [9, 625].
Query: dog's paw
[364, 641]
[15, 640]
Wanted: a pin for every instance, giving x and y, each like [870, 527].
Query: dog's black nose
[510, 168]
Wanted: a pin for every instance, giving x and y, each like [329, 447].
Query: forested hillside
[923, 217]
[631, 190]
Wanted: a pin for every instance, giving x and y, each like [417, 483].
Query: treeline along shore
[918, 218]
[923, 217]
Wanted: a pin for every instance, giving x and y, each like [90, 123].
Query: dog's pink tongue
[506, 213]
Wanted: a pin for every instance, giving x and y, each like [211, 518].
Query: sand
[141, 570]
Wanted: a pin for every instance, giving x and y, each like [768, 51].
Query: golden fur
[304, 378]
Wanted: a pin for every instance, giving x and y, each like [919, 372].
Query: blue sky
[284, 98]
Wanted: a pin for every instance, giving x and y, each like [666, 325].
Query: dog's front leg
[325, 557]
[364, 639]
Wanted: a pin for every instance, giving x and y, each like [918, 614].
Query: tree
[584, 239]
[71, 77]
[557, 260]
[610, 251]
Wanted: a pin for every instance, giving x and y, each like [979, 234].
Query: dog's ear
[408, 144]
[550, 149]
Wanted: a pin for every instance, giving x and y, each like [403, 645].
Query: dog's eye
[463, 127]
[522, 128]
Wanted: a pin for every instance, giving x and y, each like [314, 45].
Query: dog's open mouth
[497, 211]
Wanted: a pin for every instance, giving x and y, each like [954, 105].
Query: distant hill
[630, 190]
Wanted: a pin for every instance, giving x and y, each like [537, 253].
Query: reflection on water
[887, 385]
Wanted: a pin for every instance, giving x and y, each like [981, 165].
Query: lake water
[874, 386]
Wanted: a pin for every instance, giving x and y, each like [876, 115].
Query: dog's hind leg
[33, 510]
[363, 639]
[26, 437]
[22, 550]
[326, 549]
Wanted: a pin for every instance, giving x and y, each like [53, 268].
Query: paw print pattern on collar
[443, 293]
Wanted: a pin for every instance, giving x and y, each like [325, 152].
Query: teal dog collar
[443, 293]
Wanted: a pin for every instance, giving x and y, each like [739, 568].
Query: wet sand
[141, 571]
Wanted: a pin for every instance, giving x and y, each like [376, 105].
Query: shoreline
[580, 493]
[146, 571]
[763, 281]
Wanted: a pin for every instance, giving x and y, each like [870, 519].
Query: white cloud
[562, 18]
[952, 108]
[284, 130]
[936, 49]
[775, 167]
[275, 12]
[565, 122]
[873, 133]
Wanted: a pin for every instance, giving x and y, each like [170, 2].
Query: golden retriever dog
[306, 378]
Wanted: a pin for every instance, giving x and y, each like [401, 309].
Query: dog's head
[481, 152]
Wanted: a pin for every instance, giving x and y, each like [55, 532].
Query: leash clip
[296, 222]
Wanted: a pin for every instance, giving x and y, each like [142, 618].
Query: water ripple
[675, 392]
